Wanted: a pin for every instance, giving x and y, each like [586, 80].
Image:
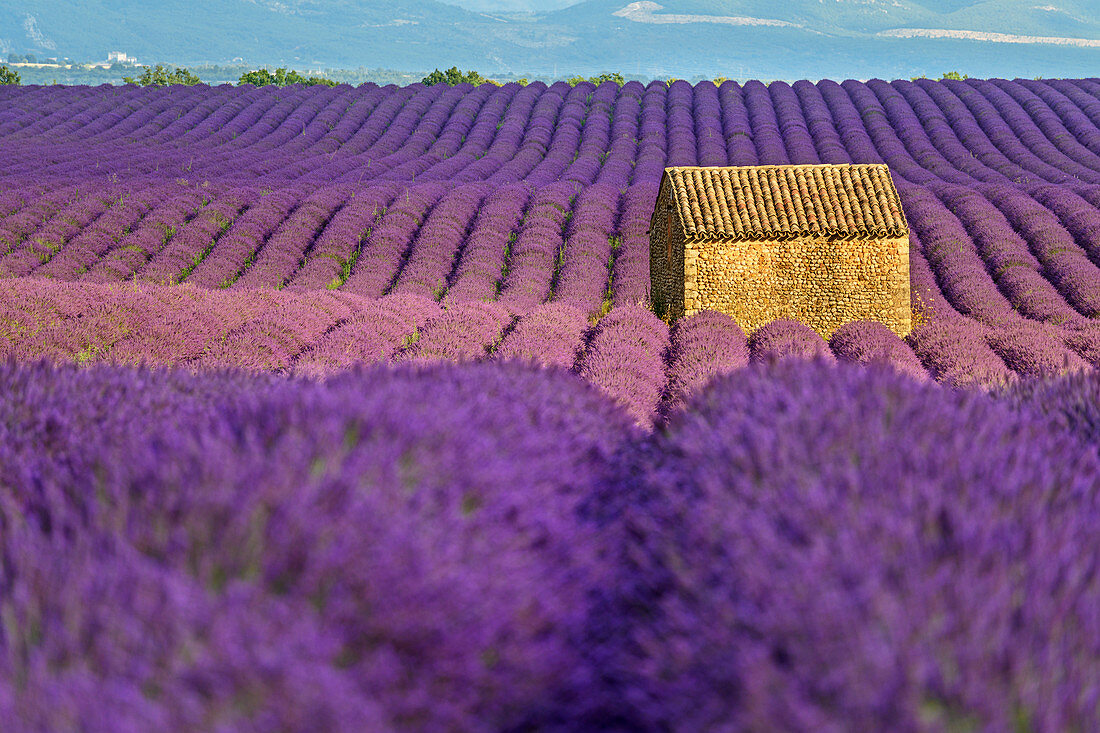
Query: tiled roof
[783, 202]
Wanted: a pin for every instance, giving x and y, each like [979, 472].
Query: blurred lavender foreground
[343, 409]
[497, 546]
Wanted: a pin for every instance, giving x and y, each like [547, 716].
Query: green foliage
[162, 76]
[615, 77]
[719, 80]
[8, 76]
[453, 76]
[282, 78]
[954, 75]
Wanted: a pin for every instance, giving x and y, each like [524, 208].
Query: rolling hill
[735, 38]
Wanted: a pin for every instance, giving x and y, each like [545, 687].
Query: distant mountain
[734, 38]
[512, 6]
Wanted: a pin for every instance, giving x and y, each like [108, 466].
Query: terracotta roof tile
[781, 202]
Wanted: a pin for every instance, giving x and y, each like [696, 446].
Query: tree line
[164, 75]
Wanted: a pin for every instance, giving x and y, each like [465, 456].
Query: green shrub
[615, 77]
[453, 76]
[162, 76]
[281, 78]
[8, 76]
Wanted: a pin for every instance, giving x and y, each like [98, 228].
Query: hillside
[736, 38]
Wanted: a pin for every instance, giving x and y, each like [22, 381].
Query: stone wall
[823, 283]
[666, 279]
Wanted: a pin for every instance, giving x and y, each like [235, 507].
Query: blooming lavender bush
[241, 552]
[815, 547]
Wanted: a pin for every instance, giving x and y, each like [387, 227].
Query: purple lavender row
[618, 157]
[550, 335]
[1080, 112]
[862, 109]
[680, 125]
[784, 338]
[421, 122]
[950, 346]
[744, 534]
[332, 256]
[819, 124]
[132, 323]
[964, 126]
[1071, 402]
[271, 341]
[504, 135]
[566, 113]
[1039, 133]
[606, 593]
[437, 244]
[1027, 348]
[1003, 136]
[40, 245]
[960, 272]
[1066, 265]
[320, 332]
[236, 249]
[463, 332]
[709, 344]
[997, 260]
[382, 254]
[594, 150]
[535, 142]
[539, 247]
[79, 253]
[626, 359]
[1049, 124]
[770, 146]
[189, 246]
[630, 257]
[499, 135]
[129, 249]
[1008, 258]
[583, 279]
[481, 261]
[955, 134]
[873, 343]
[702, 346]
[467, 140]
[952, 164]
[793, 124]
[1077, 213]
[1031, 352]
[852, 133]
[445, 137]
[26, 215]
[967, 279]
[284, 251]
[374, 333]
[652, 138]
[272, 236]
[348, 549]
[706, 119]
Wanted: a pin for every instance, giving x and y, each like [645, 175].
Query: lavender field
[344, 409]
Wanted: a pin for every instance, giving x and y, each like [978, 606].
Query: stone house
[821, 244]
